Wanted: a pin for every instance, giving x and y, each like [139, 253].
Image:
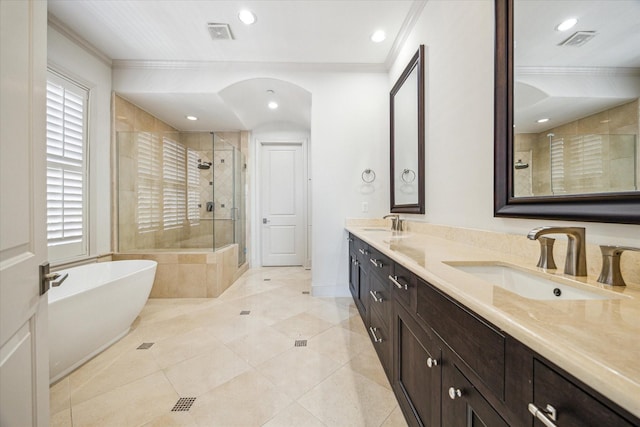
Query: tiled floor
[243, 370]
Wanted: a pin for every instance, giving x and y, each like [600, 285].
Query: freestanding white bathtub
[94, 308]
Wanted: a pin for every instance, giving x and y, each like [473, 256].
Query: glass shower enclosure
[180, 191]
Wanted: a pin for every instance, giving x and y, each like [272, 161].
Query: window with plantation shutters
[149, 187]
[193, 187]
[174, 195]
[577, 164]
[66, 168]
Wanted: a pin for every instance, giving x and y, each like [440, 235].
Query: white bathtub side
[85, 323]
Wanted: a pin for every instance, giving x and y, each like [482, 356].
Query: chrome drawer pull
[454, 393]
[542, 415]
[399, 285]
[375, 297]
[376, 262]
[363, 252]
[373, 334]
[350, 239]
[432, 362]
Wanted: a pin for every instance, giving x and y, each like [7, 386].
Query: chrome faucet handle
[610, 274]
[546, 253]
[576, 259]
[395, 219]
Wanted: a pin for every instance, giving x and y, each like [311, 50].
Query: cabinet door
[572, 405]
[418, 371]
[354, 276]
[382, 341]
[462, 403]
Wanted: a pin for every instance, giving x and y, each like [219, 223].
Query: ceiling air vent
[219, 31]
[578, 38]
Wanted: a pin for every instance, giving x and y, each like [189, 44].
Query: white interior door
[24, 364]
[283, 204]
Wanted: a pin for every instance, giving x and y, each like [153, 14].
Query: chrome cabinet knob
[454, 393]
[431, 362]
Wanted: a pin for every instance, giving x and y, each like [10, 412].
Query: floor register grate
[183, 404]
[301, 343]
[145, 346]
[244, 312]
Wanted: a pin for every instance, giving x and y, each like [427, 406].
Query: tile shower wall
[621, 158]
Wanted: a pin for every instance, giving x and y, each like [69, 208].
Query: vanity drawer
[382, 342]
[379, 263]
[478, 344]
[403, 285]
[573, 405]
[380, 298]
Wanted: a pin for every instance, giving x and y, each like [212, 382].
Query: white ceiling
[562, 82]
[290, 32]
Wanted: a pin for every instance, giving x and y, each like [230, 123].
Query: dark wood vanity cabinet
[450, 367]
[358, 274]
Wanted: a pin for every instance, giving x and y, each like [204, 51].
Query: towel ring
[408, 173]
[368, 176]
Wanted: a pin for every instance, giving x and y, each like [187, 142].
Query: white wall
[349, 133]
[459, 39]
[78, 64]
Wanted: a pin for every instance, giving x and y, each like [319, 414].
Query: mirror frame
[603, 207]
[416, 62]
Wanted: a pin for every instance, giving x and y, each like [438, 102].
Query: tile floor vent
[145, 346]
[301, 343]
[244, 312]
[183, 404]
[305, 292]
[267, 280]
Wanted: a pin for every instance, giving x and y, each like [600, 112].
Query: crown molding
[63, 29]
[405, 30]
[244, 66]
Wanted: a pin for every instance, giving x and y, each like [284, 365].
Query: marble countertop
[597, 341]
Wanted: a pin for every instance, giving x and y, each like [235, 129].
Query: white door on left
[24, 365]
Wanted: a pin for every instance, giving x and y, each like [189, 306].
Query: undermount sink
[376, 229]
[526, 284]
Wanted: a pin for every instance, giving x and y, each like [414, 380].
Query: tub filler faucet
[576, 260]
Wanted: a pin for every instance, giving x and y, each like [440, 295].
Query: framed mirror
[567, 111]
[407, 138]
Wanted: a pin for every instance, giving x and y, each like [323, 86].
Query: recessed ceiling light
[378, 36]
[542, 120]
[247, 17]
[566, 24]
[192, 118]
[273, 105]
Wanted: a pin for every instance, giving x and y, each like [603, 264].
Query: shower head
[204, 165]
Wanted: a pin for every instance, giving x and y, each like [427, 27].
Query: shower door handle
[265, 221]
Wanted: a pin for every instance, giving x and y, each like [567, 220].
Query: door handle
[48, 280]
[265, 221]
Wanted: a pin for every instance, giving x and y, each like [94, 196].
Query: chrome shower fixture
[204, 165]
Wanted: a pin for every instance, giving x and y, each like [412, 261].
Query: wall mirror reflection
[576, 89]
[567, 84]
[407, 138]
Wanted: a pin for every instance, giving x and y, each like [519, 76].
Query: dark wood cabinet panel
[573, 406]
[379, 263]
[417, 371]
[382, 341]
[477, 343]
[380, 298]
[462, 403]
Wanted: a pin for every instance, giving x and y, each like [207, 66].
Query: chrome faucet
[576, 261]
[396, 222]
[610, 273]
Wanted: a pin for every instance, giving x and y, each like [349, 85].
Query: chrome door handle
[375, 296]
[544, 416]
[394, 280]
[432, 362]
[48, 280]
[373, 334]
[265, 221]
